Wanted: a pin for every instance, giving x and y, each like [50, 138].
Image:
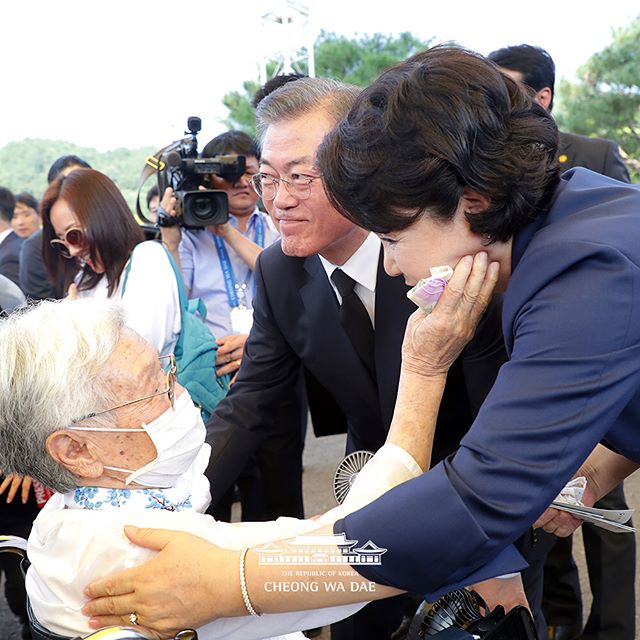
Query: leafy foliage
[356, 61]
[605, 101]
[24, 165]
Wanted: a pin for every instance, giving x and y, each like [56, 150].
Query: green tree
[356, 60]
[605, 101]
[24, 165]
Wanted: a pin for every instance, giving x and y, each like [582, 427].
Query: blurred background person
[10, 242]
[26, 219]
[34, 280]
[153, 200]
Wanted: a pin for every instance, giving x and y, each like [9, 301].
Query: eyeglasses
[170, 391]
[72, 238]
[267, 186]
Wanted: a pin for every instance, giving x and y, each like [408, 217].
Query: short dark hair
[534, 63]
[441, 121]
[7, 204]
[231, 142]
[274, 83]
[28, 200]
[152, 193]
[61, 163]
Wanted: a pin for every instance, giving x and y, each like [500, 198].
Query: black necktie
[355, 319]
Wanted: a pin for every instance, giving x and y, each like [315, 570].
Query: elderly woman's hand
[14, 482]
[432, 342]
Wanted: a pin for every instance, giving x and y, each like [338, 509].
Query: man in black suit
[10, 242]
[297, 327]
[610, 557]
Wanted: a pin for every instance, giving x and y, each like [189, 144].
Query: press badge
[241, 320]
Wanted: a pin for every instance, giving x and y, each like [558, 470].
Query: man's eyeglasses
[267, 186]
[72, 238]
[170, 391]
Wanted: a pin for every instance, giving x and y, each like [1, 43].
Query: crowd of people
[347, 198]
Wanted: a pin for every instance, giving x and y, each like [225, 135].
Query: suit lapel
[329, 349]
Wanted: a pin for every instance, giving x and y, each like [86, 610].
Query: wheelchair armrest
[13, 544]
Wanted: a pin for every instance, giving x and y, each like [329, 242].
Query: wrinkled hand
[189, 583]
[507, 592]
[14, 482]
[170, 235]
[229, 356]
[432, 342]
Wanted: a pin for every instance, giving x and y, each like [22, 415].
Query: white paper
[610, 519]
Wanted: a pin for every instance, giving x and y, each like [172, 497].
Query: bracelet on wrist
[243, 585]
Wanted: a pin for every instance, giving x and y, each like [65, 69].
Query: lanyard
[230, 284]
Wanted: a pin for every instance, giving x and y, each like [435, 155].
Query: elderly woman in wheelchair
[88, 409]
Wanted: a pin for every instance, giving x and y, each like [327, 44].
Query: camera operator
[218, 261]
[217, 264]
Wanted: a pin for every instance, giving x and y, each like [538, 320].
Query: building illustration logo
[332, 549]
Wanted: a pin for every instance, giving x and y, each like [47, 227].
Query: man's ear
[473, 201]
[74, 453]
[544, 97]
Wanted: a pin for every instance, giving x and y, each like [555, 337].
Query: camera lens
[202, 208]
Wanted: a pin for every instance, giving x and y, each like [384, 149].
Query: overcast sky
[130, 72]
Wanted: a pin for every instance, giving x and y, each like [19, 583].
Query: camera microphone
[173, 159]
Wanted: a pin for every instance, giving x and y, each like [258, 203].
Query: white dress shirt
[362, 266]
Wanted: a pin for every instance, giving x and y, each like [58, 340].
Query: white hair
[52, 355]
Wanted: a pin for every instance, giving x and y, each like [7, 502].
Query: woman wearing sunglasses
[89, 235]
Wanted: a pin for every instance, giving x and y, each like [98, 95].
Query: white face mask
[178, 435]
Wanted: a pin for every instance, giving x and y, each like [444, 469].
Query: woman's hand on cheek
[432, 342]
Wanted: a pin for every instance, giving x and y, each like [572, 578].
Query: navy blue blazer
[571, 322]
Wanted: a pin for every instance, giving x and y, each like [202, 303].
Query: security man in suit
[10, 242]
[323, 267]
[610, 557]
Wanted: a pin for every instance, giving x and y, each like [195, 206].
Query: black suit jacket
[598, 154]
[10, 257]
[33, 274]
[296, 325]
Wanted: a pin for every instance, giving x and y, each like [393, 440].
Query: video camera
[179, 167]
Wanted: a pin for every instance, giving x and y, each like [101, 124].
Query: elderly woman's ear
[74, 453]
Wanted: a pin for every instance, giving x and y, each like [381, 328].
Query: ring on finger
[238, 362]
[133, 618]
